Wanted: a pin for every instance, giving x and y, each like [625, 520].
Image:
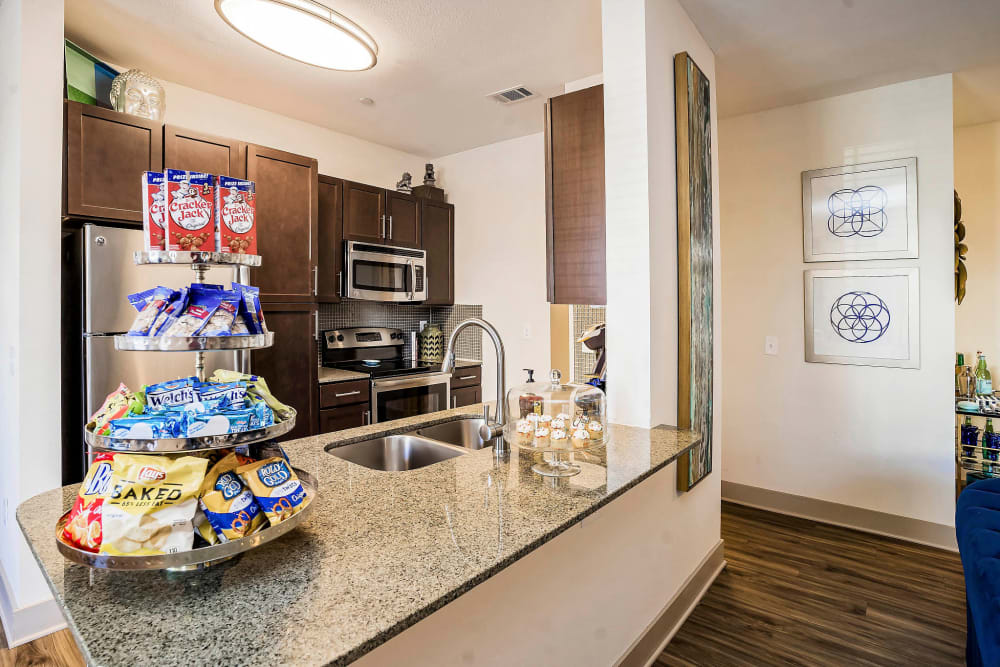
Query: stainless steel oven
[385, 273]
[409, 395]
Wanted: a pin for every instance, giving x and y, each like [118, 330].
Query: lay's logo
[151, 474]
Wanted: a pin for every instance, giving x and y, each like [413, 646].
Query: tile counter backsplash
[408, 318]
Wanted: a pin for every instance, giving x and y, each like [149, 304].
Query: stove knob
[340, 337]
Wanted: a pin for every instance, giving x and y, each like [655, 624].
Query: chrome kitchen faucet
[489, 429]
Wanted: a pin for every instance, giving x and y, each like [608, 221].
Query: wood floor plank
[799, 592]
[55, 650]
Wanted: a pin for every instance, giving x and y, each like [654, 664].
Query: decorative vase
[430, 342]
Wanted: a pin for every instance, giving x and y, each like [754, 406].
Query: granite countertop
[338, 375]
[381, 551]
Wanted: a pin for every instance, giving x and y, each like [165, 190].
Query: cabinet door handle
[367, 417]
[340, 283]
[316, 323]
[454, 401]
[315, 280]
[467, 377]
[381, 228]
[347, 393]
[390, 227]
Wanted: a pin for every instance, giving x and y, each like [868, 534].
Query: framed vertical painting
[863, 317]
[692, 106]
[862, 211]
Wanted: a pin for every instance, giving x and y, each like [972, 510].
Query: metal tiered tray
[176, 445]
[196, 558]
[192, 343]
[192, 257]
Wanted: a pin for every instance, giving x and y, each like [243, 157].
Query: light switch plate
[771, 345]
[526, 331]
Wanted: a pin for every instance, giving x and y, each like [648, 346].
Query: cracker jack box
[191, 219]
[236, 206]
[154, 209]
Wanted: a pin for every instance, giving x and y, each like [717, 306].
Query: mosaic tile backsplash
[406, 317]
[581, 319]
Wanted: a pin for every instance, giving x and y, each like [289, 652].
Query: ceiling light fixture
[302, 30]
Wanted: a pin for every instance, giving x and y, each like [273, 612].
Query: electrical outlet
[771, 345]
[526, 331]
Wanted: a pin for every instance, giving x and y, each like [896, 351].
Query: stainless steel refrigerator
[99, 268]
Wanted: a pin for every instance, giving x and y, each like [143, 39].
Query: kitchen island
[381, 552]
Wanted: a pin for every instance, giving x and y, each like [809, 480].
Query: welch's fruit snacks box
[154, 209]
[191, 220]
[236, 207]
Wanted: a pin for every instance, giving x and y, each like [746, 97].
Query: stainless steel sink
[461, 432]
[396, 452]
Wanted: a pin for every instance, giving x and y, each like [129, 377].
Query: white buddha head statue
[139, 94]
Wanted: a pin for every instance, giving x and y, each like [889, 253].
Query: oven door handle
[425, 380]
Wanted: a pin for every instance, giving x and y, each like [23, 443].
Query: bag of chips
[150, 504]
[227, 502]
[275, 487]
[83, 524]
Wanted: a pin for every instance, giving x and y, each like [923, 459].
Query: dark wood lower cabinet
[466, 396]
[290, 365]
[343, 417]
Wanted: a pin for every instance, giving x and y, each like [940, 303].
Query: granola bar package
[236, 204]
[154, 208]
[83, 524]
[275, 487]
[149, 303]
[221, 321]
[150, 504]
[170, 313]
[191, 218]
[228, 504]
[202, 304]
[253, 314]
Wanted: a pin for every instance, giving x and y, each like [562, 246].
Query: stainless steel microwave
[385, 273]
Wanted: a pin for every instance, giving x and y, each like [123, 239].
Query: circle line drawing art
[859, 317]
[857, 212]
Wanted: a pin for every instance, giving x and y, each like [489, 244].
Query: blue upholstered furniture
[977, 526]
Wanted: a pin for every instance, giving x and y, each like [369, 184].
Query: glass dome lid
[552, 416]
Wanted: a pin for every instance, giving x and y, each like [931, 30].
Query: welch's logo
[99, 482]
[161, 399]
[274, 474]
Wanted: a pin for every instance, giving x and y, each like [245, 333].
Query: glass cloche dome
[556, 417]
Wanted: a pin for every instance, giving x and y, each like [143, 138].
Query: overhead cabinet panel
[195, 151]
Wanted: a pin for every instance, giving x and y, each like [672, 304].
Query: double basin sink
[416, 449]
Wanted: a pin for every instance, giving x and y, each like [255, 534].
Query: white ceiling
[437, 61]
[770, 53]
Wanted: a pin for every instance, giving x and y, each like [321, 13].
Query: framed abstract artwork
[692, 106]
[863, 317]
[862, 211]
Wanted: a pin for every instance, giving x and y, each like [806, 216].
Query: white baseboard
[24, 624]
[648, 647]
[906, 528]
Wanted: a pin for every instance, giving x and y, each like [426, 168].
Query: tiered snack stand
[196, 558]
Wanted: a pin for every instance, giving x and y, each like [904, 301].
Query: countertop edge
[466, 586]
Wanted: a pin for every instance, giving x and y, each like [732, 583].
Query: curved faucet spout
[496, 428]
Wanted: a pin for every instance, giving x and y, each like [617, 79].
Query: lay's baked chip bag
[150, 504]
[83, 525]
[227, 502]
[275, 487]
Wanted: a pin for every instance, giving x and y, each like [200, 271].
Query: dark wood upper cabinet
[287, 211]
[574, 197]
[364, 212]
[106, 153]
[437, 220]
[331, 236]
[194, 151]
[402, 219]
[290, 365]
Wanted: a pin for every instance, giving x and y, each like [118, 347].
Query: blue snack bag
[234, 393]
[171, 393]
[144, 426]
[275, 488]
[170, 313]
[149, 303]
[202, 303]
[253, 314]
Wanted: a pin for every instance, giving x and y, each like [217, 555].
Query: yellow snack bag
[150, 504]
[227, 503]
[275, 488]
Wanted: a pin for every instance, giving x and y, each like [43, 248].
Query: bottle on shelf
[984, 381]
[959, 363]
[970, 436]
[989, 446]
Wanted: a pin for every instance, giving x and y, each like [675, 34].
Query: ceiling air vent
[511, 95]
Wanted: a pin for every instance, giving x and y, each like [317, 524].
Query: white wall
[875, 438]
[339, 155]
[977, 179]
[30, 121]
[499, 196]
